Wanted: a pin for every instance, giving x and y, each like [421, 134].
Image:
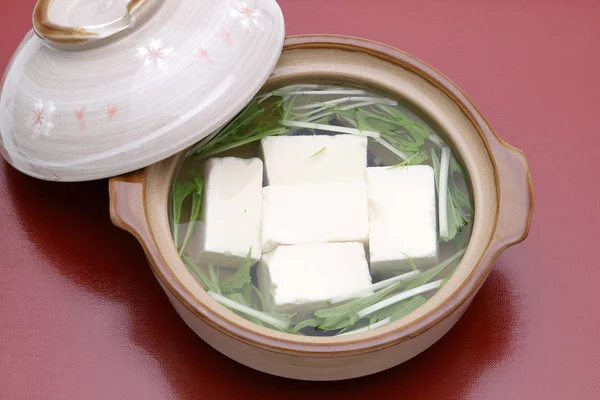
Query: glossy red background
[81, 316]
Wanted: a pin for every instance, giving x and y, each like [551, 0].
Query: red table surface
[82, 317]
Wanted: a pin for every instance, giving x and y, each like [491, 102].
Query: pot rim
[374, 340]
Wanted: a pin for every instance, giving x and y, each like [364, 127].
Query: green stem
[207, 281]
[266, 318]
[367, 328]
[320, 116]
[435, 139]
[391, 148]
[375, 287]
[329, 128]
[286, 90]
[176, 234]
[369, 103]
[329, 92]
[252, 139]
[443, 193]
[357, 99]
[323, 104]
[187, 237]
[318, 152]
[399, 297]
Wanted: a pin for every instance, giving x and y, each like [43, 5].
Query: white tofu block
[307, 214]
[292, 160]
[231, 211]
[303, 278]
[402, 218]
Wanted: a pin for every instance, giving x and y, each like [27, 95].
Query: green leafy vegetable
[278, 321]
[416, 159]
[261, 299]
[398, 133]
[356, 112]
[346, 315]
[366, 328]
[398, 310]
[373, 319]
[235, 292]
[436, 168]
[240, 278]
[411, 262]
[246, 293]
[181, 191]
[417, 131]
[375, 287]
[458, 210]
[398, 297]
[312, 322]
[329, 128]
[214, 273]
[287, 108]
[444, 222]
[198, 187]
[462, 208]
[239, 297]
[258, 120]
[209, 284]
[426, 276]
[398, 130]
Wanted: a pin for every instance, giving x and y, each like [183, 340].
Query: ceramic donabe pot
[502, 195]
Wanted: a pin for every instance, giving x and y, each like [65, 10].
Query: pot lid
[110, 86]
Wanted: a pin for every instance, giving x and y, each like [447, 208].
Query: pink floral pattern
[111, 111]
[249, 17]
[41, 119]
[225, 36]
[38, 117]
[80, 115]
[155, 54]
[202, 55]
[248, 11]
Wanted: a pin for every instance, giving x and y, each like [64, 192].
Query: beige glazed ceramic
[107, 87]
[503, 205]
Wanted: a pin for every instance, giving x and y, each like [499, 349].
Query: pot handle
[127, 208]
[106, 19]
[516, 196]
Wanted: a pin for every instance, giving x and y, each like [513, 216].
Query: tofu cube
[291, 160]
[231, 211]
[309, 214]
[301, 279]
[402, 218]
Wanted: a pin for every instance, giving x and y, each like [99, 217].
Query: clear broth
[378, 156]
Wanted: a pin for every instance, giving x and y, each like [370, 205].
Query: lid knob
[84, 21]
